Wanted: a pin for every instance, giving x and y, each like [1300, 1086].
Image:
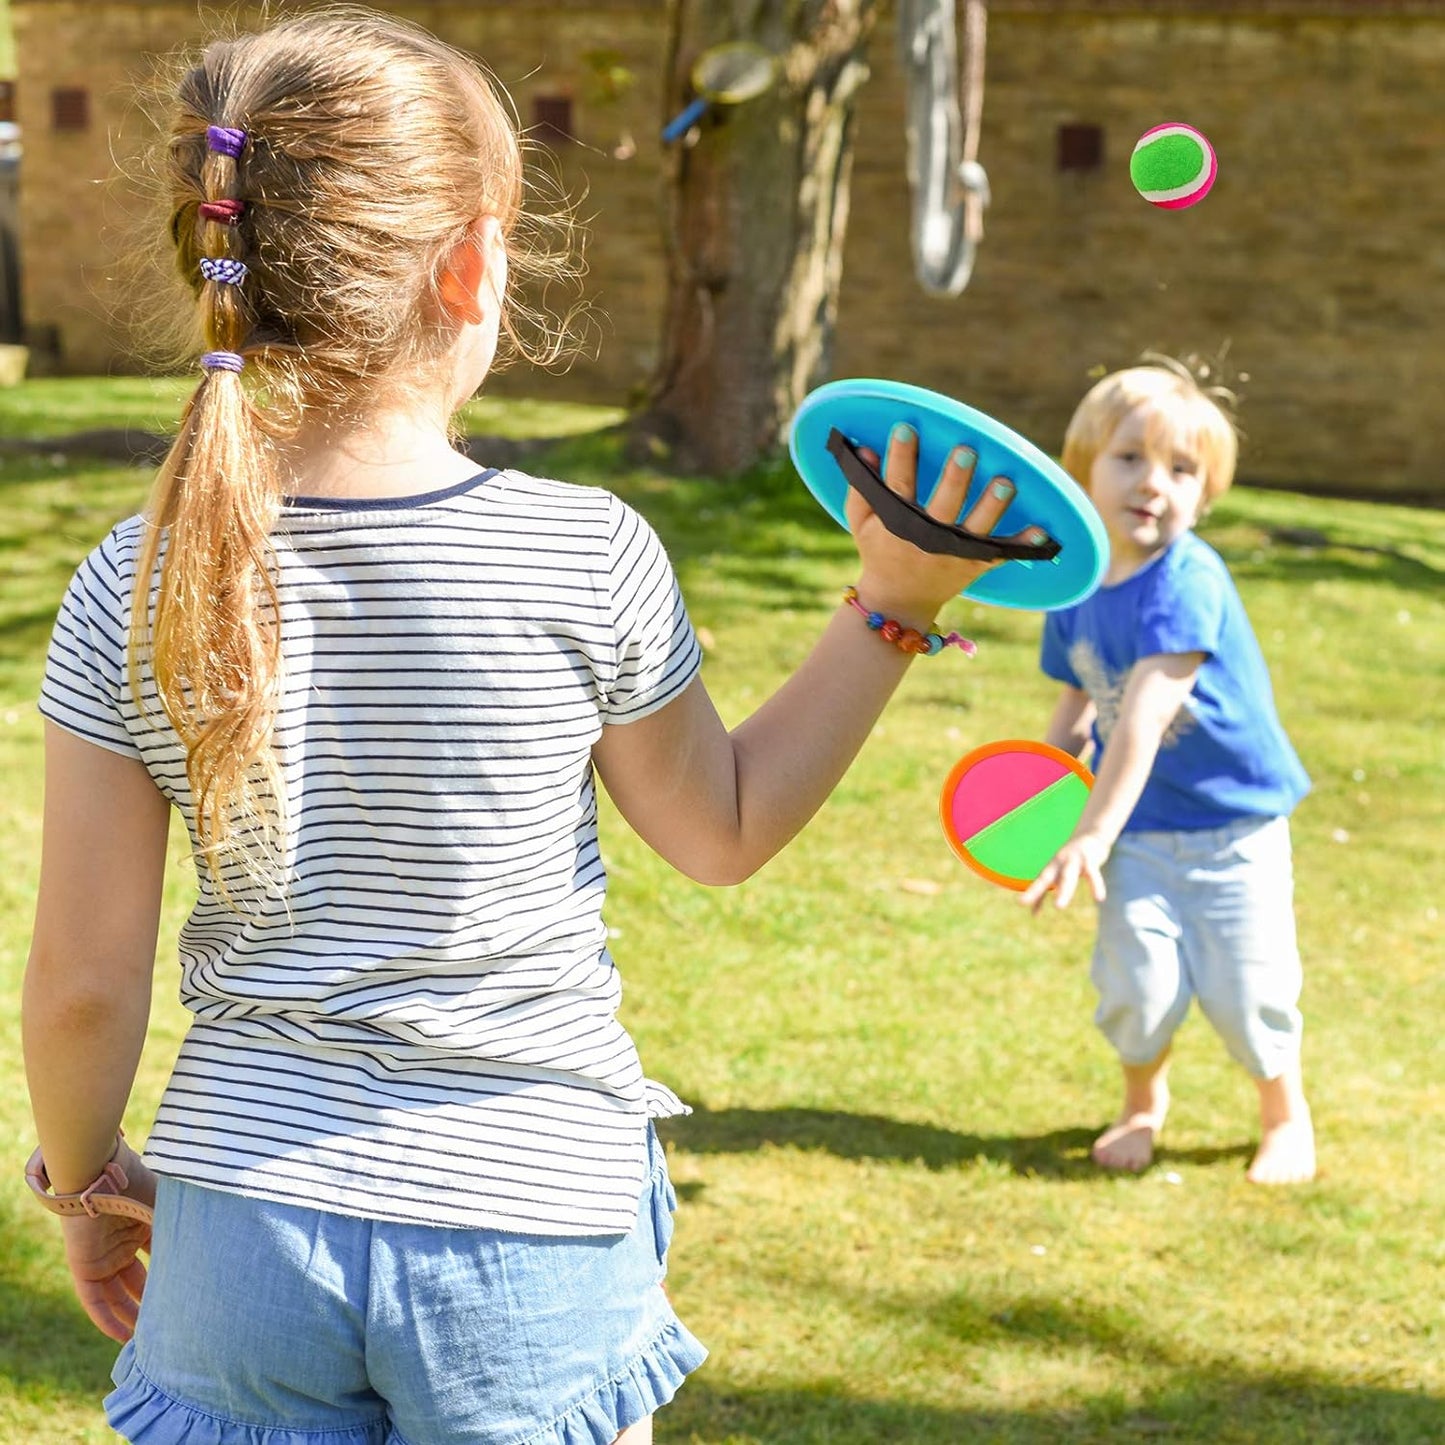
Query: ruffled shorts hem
[142, 1413]
[634, 1393]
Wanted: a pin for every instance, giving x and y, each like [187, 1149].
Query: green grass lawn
[890, 1230]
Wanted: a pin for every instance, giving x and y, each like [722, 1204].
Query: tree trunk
[756, 210]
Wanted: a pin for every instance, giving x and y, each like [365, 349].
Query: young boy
[1185, 839]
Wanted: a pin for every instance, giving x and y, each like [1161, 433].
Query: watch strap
[105, 1194]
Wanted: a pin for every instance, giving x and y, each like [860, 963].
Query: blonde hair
[1198, 416]
[371, 150]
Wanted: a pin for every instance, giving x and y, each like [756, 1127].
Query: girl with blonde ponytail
[211, 637]
[404, 1186]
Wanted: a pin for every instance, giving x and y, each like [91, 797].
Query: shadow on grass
[1302, 565]
[1188, 1395]
[1059, 1154]
[47, 1347]
[1216, 1407]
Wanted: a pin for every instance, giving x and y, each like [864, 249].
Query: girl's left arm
[88, 984]
[1154, 694]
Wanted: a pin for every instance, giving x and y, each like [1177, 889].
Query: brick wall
[81, 215]
[1319, 257]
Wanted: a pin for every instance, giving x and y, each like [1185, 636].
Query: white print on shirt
[1107, 691]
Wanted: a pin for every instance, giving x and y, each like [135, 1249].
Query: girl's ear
[475, 274]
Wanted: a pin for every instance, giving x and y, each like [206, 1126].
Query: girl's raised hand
[899, 578]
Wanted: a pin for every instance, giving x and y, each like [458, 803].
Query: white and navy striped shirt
[424, 1028]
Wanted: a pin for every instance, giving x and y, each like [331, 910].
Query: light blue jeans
[1205, 914]
[273, 1324]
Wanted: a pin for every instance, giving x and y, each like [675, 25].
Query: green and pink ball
[1173, 166]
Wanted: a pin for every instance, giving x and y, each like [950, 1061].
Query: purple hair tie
[223, 269]
[226, 140]
[222, 361]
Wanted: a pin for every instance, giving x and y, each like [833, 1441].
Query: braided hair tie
[228, 213]
[222, 361]
[223, 269]
[226, 140]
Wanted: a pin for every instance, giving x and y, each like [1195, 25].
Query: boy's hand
[1084, 854]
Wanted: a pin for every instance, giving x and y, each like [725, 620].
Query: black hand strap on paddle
[908, 520]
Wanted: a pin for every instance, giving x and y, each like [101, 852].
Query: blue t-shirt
[1225, 755]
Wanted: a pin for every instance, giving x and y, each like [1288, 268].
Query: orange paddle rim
[971, 760]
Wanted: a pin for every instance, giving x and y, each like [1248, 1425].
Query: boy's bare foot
[1129, 1144]
[1286, 1152]
[1286, 1155]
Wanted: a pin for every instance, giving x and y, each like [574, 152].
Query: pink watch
[105, 1194]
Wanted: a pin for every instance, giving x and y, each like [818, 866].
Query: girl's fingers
[106, 1317]
[901, 469]
[949, 495]
[855, 508]
[984, 515]
[132, 1279]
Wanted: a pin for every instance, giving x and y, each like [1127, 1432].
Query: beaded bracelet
[909, 639]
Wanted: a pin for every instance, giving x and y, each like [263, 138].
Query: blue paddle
[837, 419]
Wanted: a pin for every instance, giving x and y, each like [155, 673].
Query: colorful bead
[907, 639]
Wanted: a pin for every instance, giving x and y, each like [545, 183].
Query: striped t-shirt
[424, 1028]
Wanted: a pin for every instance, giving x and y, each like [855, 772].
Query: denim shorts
[275, 1324]
[1206, 914]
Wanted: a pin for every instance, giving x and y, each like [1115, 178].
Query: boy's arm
[1071, 724]
[1155, 692]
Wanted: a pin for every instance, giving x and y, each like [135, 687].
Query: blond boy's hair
[1198, 417]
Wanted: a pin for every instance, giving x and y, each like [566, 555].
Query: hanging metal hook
[950, 188]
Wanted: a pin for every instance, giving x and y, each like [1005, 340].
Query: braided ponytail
[213, 631]
[314, 241]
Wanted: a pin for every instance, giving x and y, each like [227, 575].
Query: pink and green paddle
[1008, 807]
